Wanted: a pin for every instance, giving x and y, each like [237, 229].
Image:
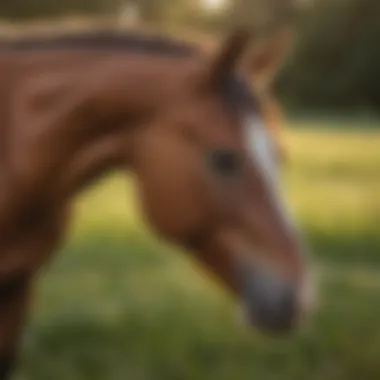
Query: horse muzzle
[272, 304]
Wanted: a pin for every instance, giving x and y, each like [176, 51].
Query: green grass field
[117, 304]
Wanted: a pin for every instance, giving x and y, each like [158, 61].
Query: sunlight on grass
[334, 178]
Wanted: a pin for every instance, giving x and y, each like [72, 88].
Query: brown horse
[190, 127]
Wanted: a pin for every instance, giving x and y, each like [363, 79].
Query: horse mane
[105, 40]
[236, 93]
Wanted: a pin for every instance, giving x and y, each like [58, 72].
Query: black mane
[104, 40]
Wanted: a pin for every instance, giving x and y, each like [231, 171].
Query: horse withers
[191, 128]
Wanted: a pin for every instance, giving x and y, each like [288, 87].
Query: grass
[119, 304]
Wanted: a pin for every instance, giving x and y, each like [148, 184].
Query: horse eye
[225, 163]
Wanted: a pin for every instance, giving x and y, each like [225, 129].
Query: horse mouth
[272, 304]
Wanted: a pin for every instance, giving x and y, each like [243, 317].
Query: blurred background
[118, 303]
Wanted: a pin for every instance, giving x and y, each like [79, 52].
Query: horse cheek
[170, 192]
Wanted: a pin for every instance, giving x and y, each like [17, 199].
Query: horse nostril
[271, 303]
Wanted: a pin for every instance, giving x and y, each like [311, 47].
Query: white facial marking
[262, 149]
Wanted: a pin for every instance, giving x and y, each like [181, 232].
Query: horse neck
[90, 130]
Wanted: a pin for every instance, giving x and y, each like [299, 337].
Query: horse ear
[228, 57]
[266, 61]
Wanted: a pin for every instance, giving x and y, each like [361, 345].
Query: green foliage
[19, 9]
[335, 63]
[117, 304]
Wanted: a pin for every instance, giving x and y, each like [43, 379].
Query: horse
[191, 127]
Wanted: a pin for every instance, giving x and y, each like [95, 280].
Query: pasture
[117, 303]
